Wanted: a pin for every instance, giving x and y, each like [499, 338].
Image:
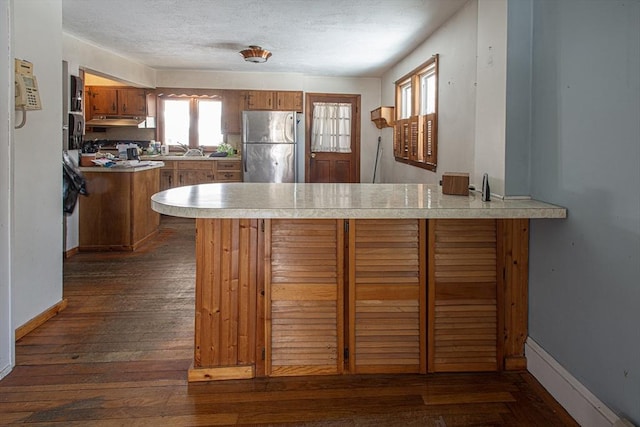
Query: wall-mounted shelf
[383, 117]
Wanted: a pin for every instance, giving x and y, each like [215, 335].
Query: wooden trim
[431, 296]
[424, 256]
[221, 373]
[71, 252]
[515, 255]
[261, 300]
[267, 297]
[352, 294]
[40, 319]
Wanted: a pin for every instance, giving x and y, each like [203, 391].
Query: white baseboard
[581, 404]
[5, 371]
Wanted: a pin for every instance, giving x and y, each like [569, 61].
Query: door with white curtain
[332, 142]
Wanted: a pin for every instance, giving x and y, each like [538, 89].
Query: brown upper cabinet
[232, 105]
[273, 100]
[120, 101]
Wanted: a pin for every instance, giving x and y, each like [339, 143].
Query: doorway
[332, 138]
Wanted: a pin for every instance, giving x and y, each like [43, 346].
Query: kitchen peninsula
[307, 279]
[116, 214]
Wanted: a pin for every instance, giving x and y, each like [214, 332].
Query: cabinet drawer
[195, 164]
[228, 165]
[232, 176]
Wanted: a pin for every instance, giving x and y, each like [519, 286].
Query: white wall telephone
[27, 95]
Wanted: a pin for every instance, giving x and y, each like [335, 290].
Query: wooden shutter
[430, 140]
[463, 296]
[413, 142]
[387, 293]
[304, 293]
[397, 138]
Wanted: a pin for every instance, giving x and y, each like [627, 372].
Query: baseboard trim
[6, 371]
[578, 401]
[32, 324]
[71, 252]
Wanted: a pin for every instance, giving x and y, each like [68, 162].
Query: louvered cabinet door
[387, 296]
[304, 294]
[463, 296]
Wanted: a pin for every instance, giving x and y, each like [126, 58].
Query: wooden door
[463, 298]
[331, 166]
[304, 296]
[387, 296]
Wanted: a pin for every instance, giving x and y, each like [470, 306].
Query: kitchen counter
[116, 215]
[332, 279]
[262, 200]
[143, 165]
[187, 158]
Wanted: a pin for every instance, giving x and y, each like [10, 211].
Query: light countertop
[262, 200]
[143, 165]
[187, 158]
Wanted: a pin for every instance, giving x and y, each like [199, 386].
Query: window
[331, 130]
[415, 134]
[191, 121]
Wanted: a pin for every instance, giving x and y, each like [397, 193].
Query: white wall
[491, 94]
[584, 279]
[36, 259]
[7, 344]
[81, 54]
[455, 42]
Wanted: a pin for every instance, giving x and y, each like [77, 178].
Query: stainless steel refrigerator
[269, 146]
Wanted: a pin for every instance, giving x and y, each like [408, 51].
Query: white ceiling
[314, 37]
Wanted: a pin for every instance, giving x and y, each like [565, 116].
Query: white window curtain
[331, 127]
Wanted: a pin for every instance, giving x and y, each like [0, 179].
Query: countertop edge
[340, 201]
[116, 169]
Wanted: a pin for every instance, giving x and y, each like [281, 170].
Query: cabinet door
[194, 177]
[166, 179]
[194, 172]
[304, 297]
[260, 100]
[132, 102]
[463, 296]
[104, 101]
[289, 101]
[387, 296]
[231, 115]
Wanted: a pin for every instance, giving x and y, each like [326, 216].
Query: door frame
[354, 99]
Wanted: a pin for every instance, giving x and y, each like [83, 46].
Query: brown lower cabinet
[177, 173]
[285, 297]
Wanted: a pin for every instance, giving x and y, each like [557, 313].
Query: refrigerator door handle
[244, 158]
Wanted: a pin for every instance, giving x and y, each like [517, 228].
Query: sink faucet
[185, 147]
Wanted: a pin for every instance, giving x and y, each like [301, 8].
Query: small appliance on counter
[269, 142]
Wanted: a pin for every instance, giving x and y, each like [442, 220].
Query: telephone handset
[27, 95]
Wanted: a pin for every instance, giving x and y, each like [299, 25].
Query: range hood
[115, 121]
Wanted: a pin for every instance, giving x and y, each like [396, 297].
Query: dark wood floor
[119, 354]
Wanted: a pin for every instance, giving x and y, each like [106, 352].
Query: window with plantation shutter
[416, 127]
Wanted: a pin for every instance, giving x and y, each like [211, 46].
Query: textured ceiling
[313, 37]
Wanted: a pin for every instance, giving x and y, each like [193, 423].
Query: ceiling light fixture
[255, 54]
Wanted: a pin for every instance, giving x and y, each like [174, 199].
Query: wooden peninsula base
[307, 297]
[314, 279]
